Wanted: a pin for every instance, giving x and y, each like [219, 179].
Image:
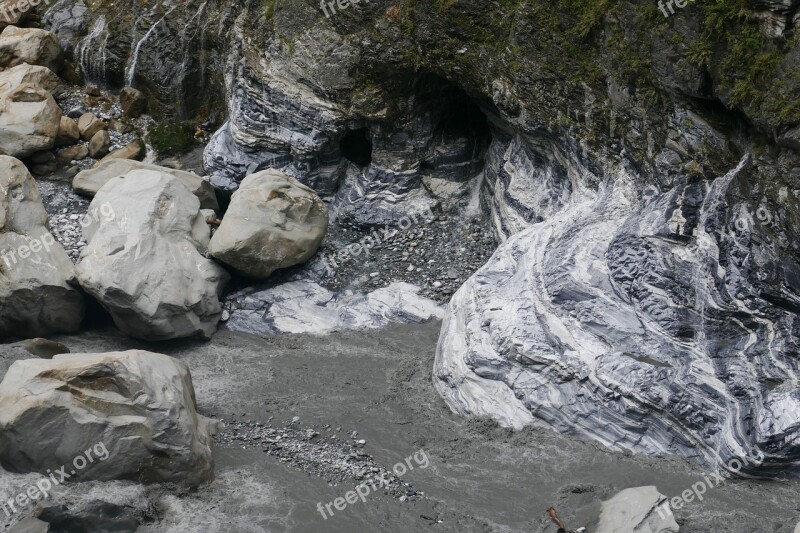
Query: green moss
[172, 139]
[746, 61]
[269, 9]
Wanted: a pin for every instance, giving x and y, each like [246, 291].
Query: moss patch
[172, 139]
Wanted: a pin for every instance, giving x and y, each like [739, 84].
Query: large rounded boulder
[123, 415]
[144, 259]
[32, 46]
[36, 275]
[29, 120]
[273, 222]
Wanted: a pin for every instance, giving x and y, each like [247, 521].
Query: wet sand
[481, 477]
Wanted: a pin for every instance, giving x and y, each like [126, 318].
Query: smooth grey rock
[32, 46]
[306, 307]
[36, 295]
[272, 222]
[138, 406]
[144, 260]
[44, 348]
[636, 510]
[96, 515]
[29, 120]
[30, 525]
[90, 181]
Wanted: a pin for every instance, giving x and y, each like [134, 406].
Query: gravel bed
[326, 452]
[65, 210]
[438, 255]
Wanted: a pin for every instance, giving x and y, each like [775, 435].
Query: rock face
[134, 410]
[377, 174]
[653, 112]
[144, 260]
[306, 307]
[29, 120]
[636, 510]
[90, 181]
[36, 295]
[640, 325]
[272, 222]
[32, 46]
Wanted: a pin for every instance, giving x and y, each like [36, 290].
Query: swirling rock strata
[657, 324]
[306, 307]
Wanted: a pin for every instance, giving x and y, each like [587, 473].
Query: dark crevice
[356, 147]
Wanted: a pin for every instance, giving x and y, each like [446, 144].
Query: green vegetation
[746, 60]
[269, 9]
[172, 139]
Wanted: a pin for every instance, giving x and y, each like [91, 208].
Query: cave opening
[462, 133]
[461, 117]
[356, 147]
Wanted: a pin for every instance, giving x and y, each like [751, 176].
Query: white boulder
[41, 77]
[144, 259]
[306, 307]
[636, 510]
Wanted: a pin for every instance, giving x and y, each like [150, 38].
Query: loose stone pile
[325, 452]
